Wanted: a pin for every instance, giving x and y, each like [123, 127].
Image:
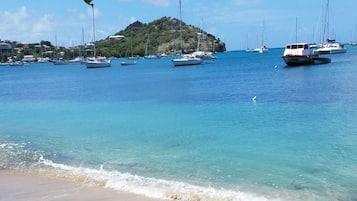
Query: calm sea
[189, 133]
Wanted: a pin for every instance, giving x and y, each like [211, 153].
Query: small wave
[18, 156]
[150, 187]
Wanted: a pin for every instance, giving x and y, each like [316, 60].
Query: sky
[238, 23]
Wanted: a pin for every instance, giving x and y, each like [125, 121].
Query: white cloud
[15, 19]
[24, 26]
[43, 25]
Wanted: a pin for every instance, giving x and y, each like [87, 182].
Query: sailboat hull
[128, 63]
[187, 61]
[102, 63]
[331, 50]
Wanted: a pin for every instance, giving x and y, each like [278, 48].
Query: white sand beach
[15, 186]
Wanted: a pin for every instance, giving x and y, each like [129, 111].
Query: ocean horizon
[188, 133]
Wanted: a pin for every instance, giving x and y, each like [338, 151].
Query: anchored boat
[302, 54]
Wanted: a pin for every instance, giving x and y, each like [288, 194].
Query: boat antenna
[296, 30]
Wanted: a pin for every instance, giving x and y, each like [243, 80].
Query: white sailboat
[208, 57]
[185, 59]
[96, 62]
[131, 60]
[332, 46]
[58, 60]
[354, 42]
[247, 49]
[147, 55]
[263, 48]
[80, 58]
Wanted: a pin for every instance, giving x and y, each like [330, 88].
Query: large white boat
[96, 62]
[302, 54]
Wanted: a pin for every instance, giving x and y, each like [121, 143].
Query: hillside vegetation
[159, 36]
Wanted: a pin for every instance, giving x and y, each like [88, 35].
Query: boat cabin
[298, 49]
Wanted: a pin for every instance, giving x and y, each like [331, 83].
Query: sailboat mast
[181, 37]
[147, 46]
[263, 30]
[82, 45]
[94, 51]
[326, 23]
[355, 33]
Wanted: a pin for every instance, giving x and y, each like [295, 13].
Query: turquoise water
[189, 133]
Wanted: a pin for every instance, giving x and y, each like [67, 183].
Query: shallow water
[189, 132]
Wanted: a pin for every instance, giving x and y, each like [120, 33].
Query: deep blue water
[189, 132]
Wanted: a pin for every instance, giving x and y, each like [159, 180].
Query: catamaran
[332, 46]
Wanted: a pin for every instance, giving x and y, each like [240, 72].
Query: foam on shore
[149, 187]
[19, 158]
[18, 186]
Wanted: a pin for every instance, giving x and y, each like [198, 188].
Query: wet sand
[16, 186]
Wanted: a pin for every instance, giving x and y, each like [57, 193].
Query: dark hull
[305, 60]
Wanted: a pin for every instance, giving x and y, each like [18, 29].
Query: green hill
[162, 36]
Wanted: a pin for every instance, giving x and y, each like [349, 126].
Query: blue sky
[239, 23]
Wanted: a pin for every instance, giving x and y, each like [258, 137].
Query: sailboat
[147, 55]
[185, 59]
[96, 62]
[263, 48]
[131, 59]
[247, 49]
[331, 47]
[208, 57]
[354, 43]
[58, 60]
[80, 58]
